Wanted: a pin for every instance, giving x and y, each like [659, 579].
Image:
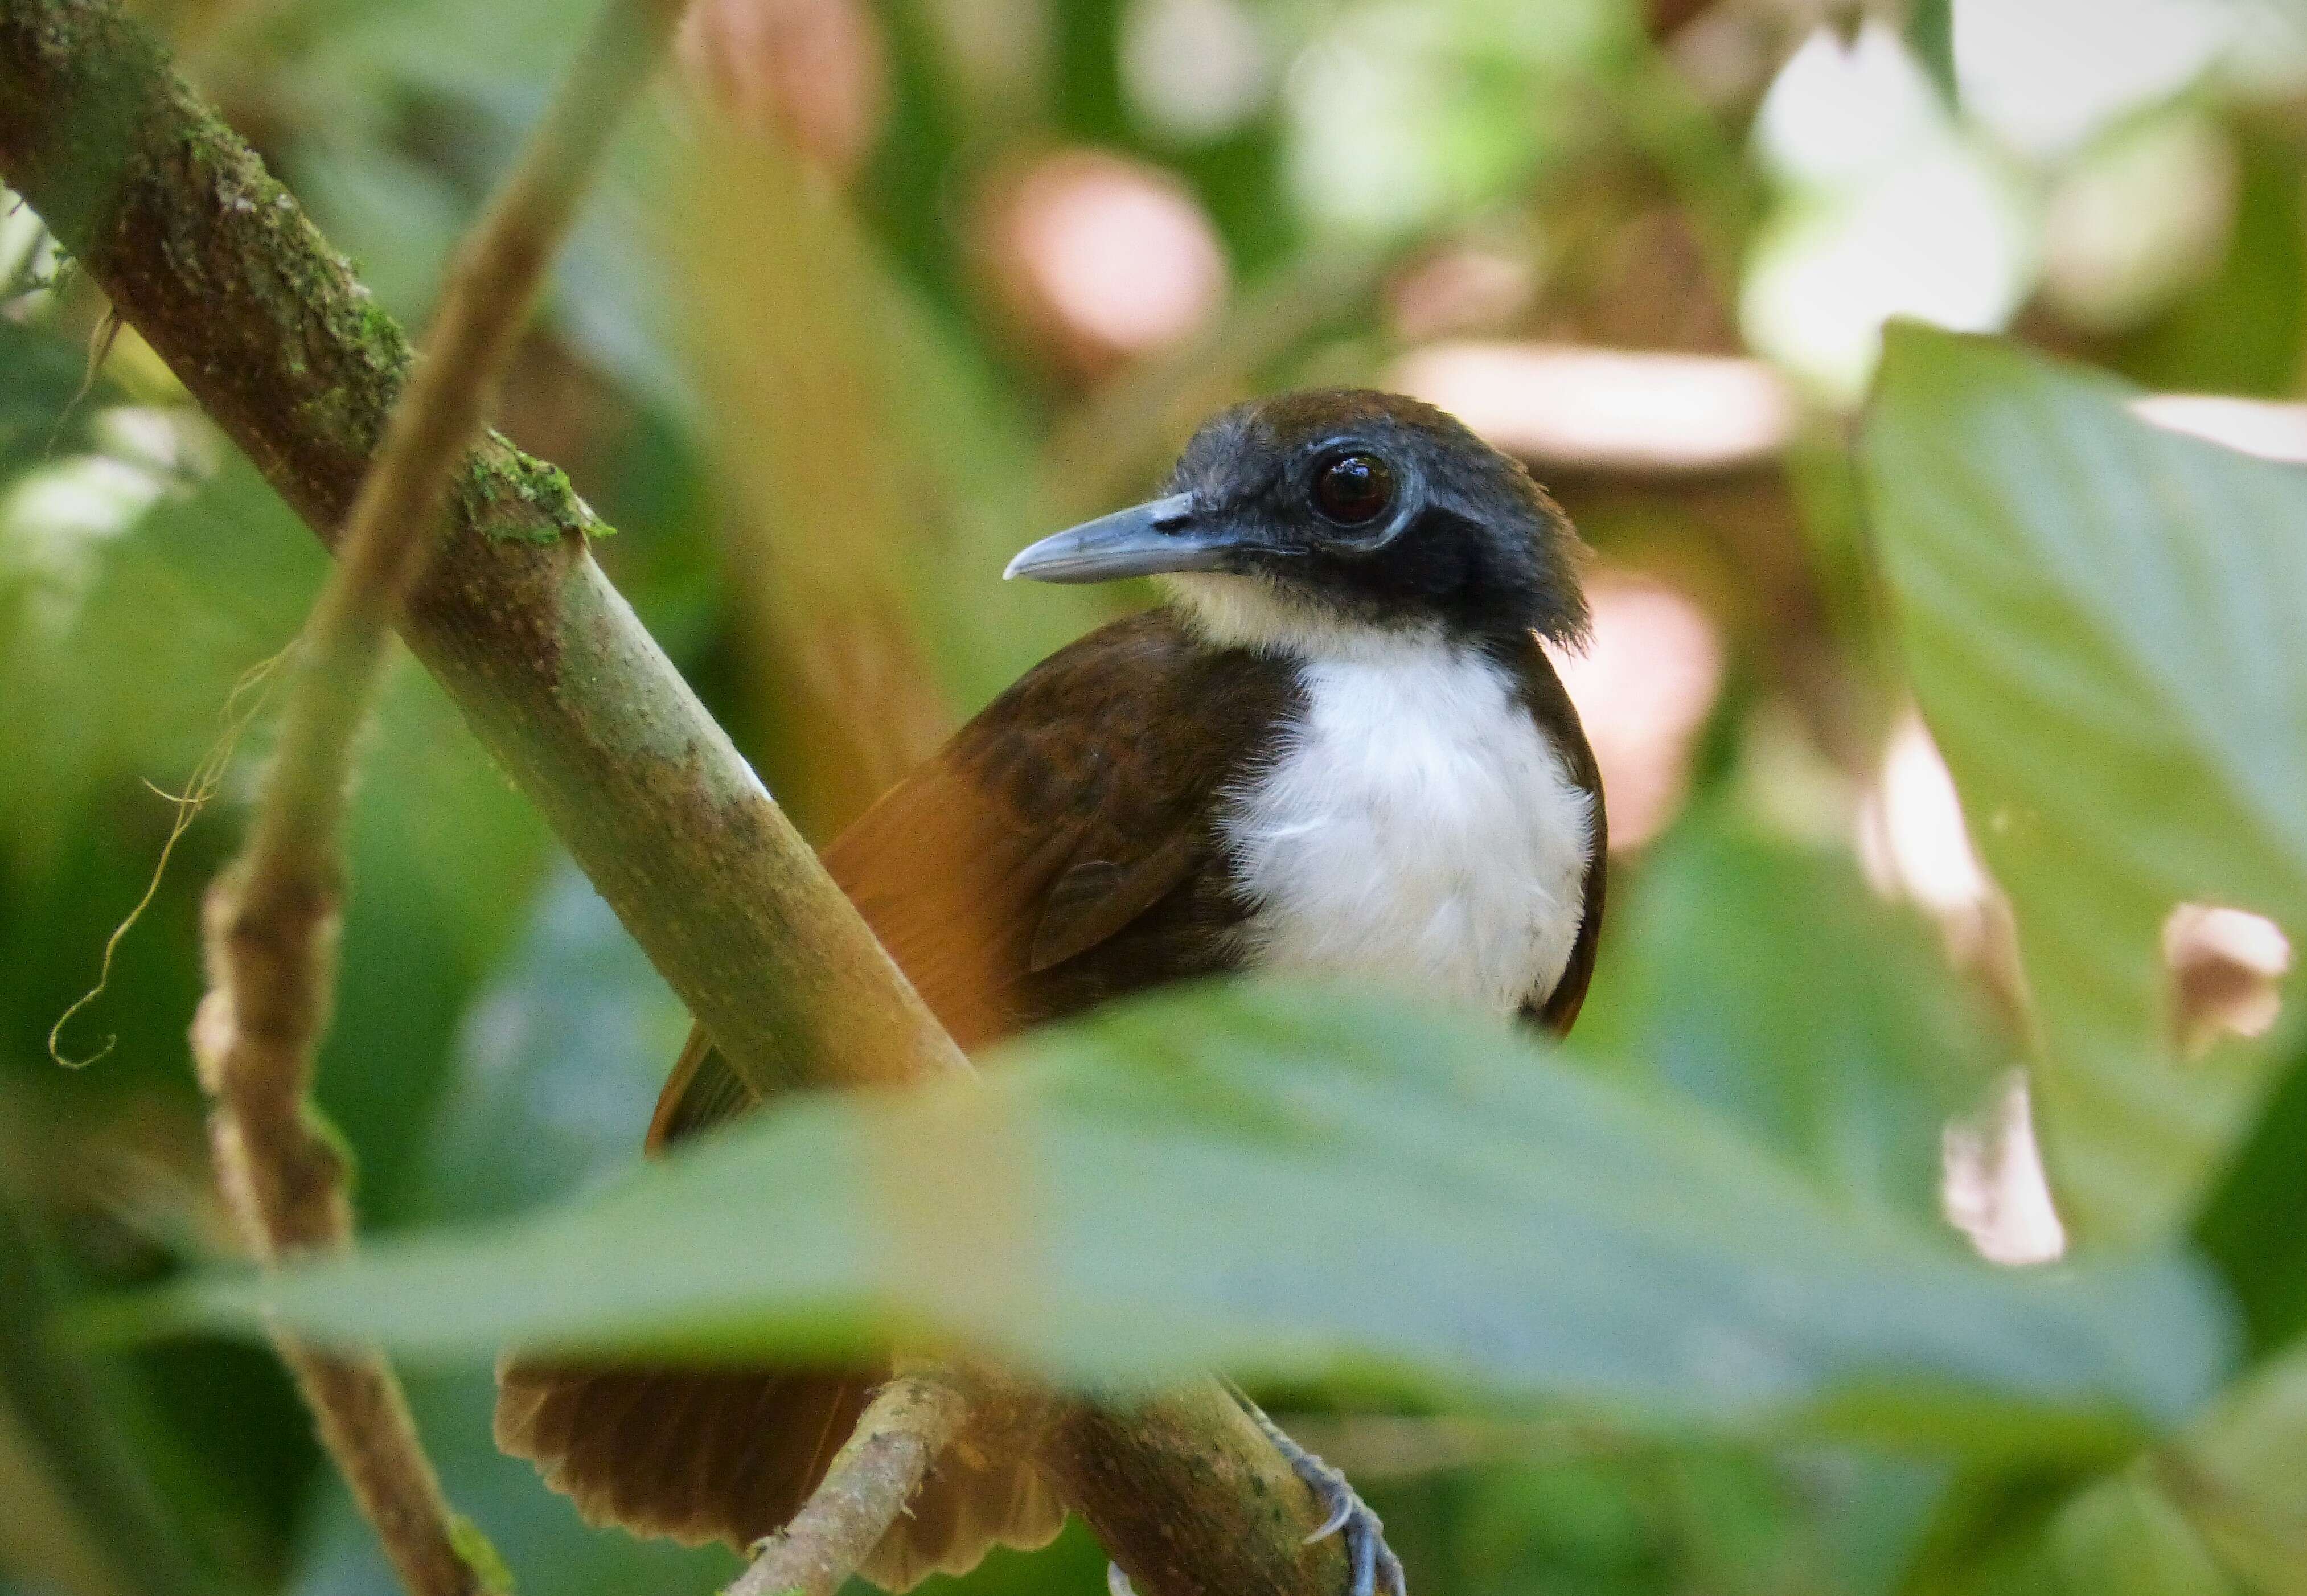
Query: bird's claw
[1371, 1561]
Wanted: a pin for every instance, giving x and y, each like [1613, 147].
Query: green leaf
[2218, 1510]
[2240, 1474]
[41, 406]
[2242, 332]
[1763, 980]
[1632, 1517]
[2101, 619]
[2125, 1537]
[1306, 1186]
[83, 1514]
[2251, 1230]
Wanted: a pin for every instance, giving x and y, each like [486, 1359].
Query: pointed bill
[1164, 534]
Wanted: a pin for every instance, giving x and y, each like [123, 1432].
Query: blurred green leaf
[2125, 1537]
[140, 637]
[1401, 118]
[1930, 34]
[1725, 1522]
[556, 1067]
[2251, 1228]
[2241, 1474]
[2101, 620]
[1538, 1233]
[2218, 1511]
[124, 642]
[1763, 980]
[444, 860]
[118, 646]
[2245, 331]
[124, 682]
[81, 1516]
[356, 48]
[44, 375]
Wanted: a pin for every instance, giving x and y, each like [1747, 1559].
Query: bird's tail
[704, 1455]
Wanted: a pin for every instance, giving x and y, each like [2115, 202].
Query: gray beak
[1143, 540]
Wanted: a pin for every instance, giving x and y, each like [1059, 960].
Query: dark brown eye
[1354, 489]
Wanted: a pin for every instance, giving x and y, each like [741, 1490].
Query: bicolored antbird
[1338, 749]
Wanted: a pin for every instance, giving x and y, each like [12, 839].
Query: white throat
[1248, 612]
[1417, 828]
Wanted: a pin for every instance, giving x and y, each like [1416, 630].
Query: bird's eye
[1353, 490]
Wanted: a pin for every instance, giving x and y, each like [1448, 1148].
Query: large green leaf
[1763, 980]
[2103, 620]
[1302, 1185]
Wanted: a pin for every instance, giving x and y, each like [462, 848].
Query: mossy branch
[220, 270]
[272, 917]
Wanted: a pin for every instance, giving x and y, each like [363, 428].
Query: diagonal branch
[213, 262]
[271, 920]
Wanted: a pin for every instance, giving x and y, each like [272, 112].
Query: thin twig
[107, 333]
[903, 1429]
[272, 918]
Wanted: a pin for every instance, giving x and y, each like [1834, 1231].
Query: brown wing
[1542, 693]
[1059, 852]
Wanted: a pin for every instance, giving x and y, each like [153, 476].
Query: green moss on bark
[511, 495]
[198, 243]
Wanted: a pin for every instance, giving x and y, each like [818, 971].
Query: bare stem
[909, 1422]
[272, 918]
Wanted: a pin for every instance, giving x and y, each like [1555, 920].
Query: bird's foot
[1370, 1562]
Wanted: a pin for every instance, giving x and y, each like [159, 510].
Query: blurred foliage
[852, 323]
[1277, 1129]
[2092, 608]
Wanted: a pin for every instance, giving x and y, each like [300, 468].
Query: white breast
[1417, 829]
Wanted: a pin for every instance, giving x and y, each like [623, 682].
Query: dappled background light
[1591, 409]
[1101, 260]
[1912, 836]
[810, 72]
[1644, 685]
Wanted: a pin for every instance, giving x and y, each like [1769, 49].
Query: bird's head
[1340, 511]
